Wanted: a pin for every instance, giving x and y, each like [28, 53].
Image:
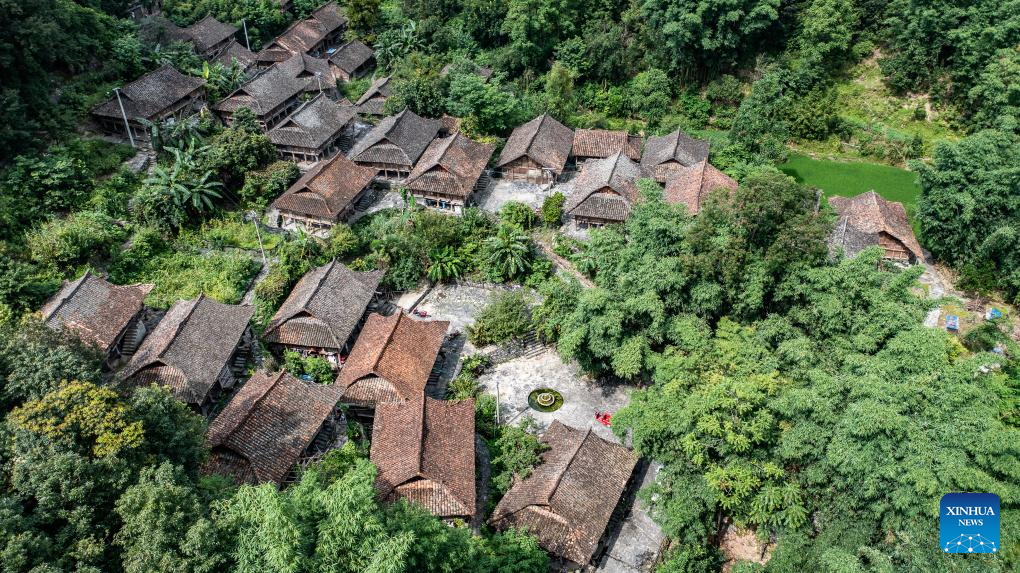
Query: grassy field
[849, 178]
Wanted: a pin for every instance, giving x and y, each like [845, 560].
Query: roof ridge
[254, 405]
[180, 326]
[570, 460]
[80, 280]
[382, 347]
[419, 471]
[531, 141]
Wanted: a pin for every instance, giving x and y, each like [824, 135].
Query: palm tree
[184, 189]
[444, 264]
[509, 252]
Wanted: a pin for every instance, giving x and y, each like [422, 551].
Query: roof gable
[400, 139]
[616, 173]
[676, 147]
[327, 189]
[151, 94]
[692, 185]
[451, 165]
[870, 214]
[542, 139]
[94, 309]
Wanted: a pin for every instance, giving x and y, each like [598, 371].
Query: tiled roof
[399, 139]
[567, 501]
[392, 359]
[606, 188]
[268, 424]
[351, 56]
[425, 452]
[305, 67]
[603, 143]
[326, 189]
[95, 310]
[692, 185]
[865, 217]
[305, 34]
[264, 92]
[207, 33]
[380, 88]
[235, 51]
[312, 125]
[451, 165]
[662, 153]
[324, 308]
[543, 139]
[189, 347]
[151, 94]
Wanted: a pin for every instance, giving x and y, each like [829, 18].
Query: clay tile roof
[324, 308]
[864, 218]
[567, 500]
[305, 67]
[268, 424]
[692, 185]
[351, 56]
[543, 139]
[425, 452]
[94, 309]
[606, 188]
[312, 125]
[603, 143]
[151, 94]
[399, 140]
[326, 189]
[451, 165]
[303, 35]
[663, 153]
[208, 32]
[189, 347]
[264, 92]
[235, 51]
[392, 359]
[372, 101]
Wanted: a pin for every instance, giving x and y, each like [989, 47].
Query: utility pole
[255, 221]
[318, 79]
[123, 114]
[246, 42]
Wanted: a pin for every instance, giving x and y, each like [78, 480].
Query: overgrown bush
[552, 209]
[75, 239]
[311, 367]
[515, 453]
[507, 317]
[261, 187]
[517, 213]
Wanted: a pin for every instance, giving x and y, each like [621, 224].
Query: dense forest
[786, 391]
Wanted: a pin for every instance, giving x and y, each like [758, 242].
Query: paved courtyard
[501, 191]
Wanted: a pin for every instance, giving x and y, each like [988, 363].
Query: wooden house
[317, 130]
[317, 36]
[666, 154]
[395, 144]
[352, 61]
[322, 197]
[158, 95]
[102, 314]
[272, 424]
[209, 36]
[601, 143]
[692, 185]
[537, 151]
[197, 350]
[568, 500]
[604, 191]
[324, 312]
[449, 172]
[374, 99]
[425, 452]
[272, 96]
[867, 220]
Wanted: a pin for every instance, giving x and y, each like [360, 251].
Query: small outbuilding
[209, 36]
[867, 220]
[425, 452]
[317, 36]
[537, 151]
[272, 424]
[374, 99]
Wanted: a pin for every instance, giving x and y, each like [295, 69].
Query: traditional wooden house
[692, 185]
[425, 452]
[324, 312]
[271, 96]
[158, 95]
[391, 361]
[867, 220]
[315, 131]
[374, 99]
[449, 171]
[317, 36]
[234, 51]
[197, 350]
[666, 154]
[601, 143]
[536, 151]
[394, 146]
[273, 423]
[322, 197]
[352, 61]
[604, 191]
[102, 314]
[209, 36]
[315, 72]
[567, 501]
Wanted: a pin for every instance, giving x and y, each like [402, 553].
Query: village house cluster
[264, 428]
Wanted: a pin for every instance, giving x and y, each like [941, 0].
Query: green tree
[552, 209]
[444, 264]
[559, 90]
[508, 253]
[516, 453]
[760, 130]
[650, 94]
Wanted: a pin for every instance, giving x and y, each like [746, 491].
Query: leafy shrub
[724, 91]
[464, 386]
[263, 186]
[34, 187]
[515, 453]
[318, 369]
[552, 209]
[112, 196]
[74, 239]
[485, 416]
[517, 213]
[507, 317]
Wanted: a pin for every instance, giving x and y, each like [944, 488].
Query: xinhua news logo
[969, 523]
